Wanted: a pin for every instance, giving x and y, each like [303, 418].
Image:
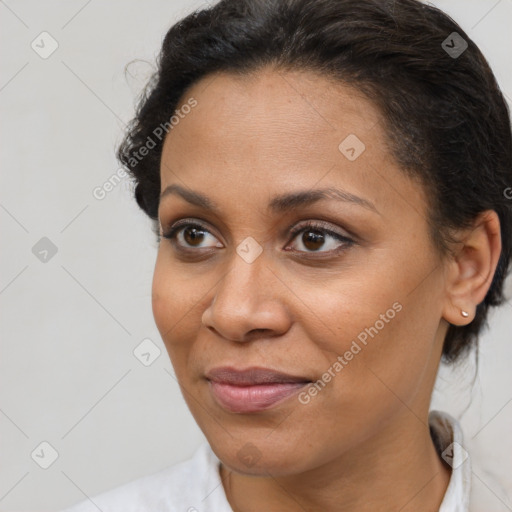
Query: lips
[252, 389]
[251, 376]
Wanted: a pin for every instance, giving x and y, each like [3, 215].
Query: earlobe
[456, 315]
[471, 269]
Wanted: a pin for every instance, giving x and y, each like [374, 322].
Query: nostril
[256, 333]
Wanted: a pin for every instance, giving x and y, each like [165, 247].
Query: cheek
[172, 321]
[164, 298]
[383, 333]
[172, 302]
[386, 356]
[345, 310]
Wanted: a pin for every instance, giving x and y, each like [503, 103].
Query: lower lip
[244, 399]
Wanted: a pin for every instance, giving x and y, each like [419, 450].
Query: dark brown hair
[447, 122]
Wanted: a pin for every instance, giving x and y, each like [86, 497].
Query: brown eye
[193, 236]
[188, 235]
[316, 238]
[313, 239]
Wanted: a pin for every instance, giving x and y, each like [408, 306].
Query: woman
[328, 180]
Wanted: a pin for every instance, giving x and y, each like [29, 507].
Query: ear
[471, 268]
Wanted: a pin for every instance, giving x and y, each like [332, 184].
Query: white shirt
[195, 486]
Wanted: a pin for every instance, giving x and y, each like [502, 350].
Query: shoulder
[183, 485]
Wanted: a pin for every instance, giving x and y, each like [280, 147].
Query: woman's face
[343, 289]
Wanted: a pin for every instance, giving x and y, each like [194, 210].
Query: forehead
[288, 118]
[269, 101]
[279, 130]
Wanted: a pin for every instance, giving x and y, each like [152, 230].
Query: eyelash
[308, 225]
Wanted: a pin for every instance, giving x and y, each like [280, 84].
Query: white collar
[447, 436]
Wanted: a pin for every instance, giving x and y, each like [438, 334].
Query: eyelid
[318, 224]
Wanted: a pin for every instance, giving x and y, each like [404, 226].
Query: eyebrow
[279, 204]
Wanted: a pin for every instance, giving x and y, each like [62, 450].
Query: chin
[260, 459]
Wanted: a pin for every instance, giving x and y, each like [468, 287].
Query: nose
[248, 303]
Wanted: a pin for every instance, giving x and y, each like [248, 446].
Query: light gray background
[68, 375]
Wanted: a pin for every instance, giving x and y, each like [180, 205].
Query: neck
[399, 468]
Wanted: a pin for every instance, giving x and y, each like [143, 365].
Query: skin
[362, 443]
